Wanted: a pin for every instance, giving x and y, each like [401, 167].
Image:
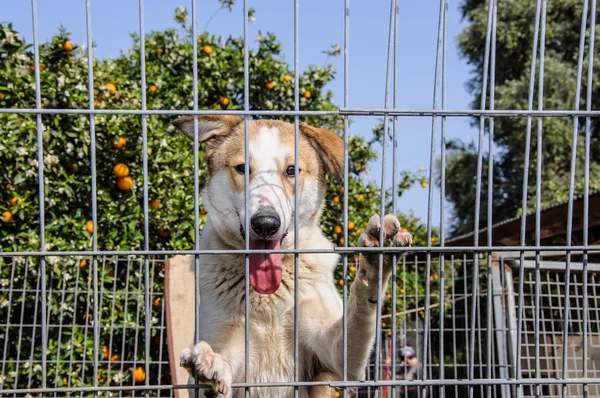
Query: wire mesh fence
[478, 327]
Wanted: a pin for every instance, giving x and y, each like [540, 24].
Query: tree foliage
[515, 32]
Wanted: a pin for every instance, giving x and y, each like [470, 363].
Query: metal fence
[459, 343]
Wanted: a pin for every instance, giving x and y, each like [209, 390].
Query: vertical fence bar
[147, 315]
[490, 198]
[517, 374]
[246, 203]
[395, 193]
[90, 60]
[442, 286]
[296, 188]
[388, 76]
[346, 171]
[196, 182]
[569, 238]
[478, 195]
[438, 61]
[586, 190]
[40, 153]
[539, 193]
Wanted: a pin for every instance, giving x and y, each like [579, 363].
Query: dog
[219, 357]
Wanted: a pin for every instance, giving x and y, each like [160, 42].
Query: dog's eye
[240, 168]
[290, 172]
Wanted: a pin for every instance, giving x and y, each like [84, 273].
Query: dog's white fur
[219, 358]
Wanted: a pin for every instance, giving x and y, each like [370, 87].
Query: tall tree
[515, 34]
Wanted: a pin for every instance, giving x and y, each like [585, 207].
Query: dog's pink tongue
[265, 269]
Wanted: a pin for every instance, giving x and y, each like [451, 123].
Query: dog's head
[272, 178]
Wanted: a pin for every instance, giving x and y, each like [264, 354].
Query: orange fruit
[152, 88]
[341, 190]
[8, 216]
[82, 263]
[424, 184]
[307, 94]
[14, 200]
[89, 226]
[269, 85]
[164, 231]
[120, 142]
[337, 229]
[207, 50]
[138, 374]
[115, 357]
[287, 78]
[422, 314]
[341, 126]
[341, 241]
[361, 197]
[389, 332]
[155, 204]
[1, 96]
[96, 103]
[125, 183]
[341, 282]
[156, 302]
[105, 351]
[350, 226]
[404, 230]
[224, 101]
[433, 239]
[352, 268]
[159, 50]
[110, 87]
[121, 170]
[388, 297]
[336, 199]
[382, 324]
[401, 291]
[67, 46]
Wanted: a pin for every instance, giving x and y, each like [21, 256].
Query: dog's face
[272, 177]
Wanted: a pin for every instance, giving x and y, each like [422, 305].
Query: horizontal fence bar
[338, 384]
[340, 112]
[341, 250]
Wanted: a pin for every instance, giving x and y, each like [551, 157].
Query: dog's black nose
[265, 225]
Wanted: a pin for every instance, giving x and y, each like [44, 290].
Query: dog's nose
[265, 225]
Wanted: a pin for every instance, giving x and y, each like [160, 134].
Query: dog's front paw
[209, 366]
[393, 236]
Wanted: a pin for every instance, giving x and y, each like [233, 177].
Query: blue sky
[321, 25]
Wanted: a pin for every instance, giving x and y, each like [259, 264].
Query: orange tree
[67, 176]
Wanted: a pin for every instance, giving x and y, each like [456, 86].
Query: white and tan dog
[219, 358]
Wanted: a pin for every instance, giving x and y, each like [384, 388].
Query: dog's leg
[211, 368]
[327, 342]
[323, 391]
[362, 303]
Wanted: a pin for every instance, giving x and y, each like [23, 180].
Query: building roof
[553, 223]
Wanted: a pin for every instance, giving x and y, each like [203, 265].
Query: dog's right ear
[209, 126]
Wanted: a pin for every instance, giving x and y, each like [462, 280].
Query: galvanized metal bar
[519, 389]
[296, 186]
[569, 237]
[436, 89]
[382, 204]
[246, 202]
[340, 112]
[478, 191]
[442, 295]
[41, 184]
[586, 188]
[346, 176]
[147, 305]
[490, 200]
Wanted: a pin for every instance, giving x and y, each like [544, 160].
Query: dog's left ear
[210, 127]
[329, 146]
